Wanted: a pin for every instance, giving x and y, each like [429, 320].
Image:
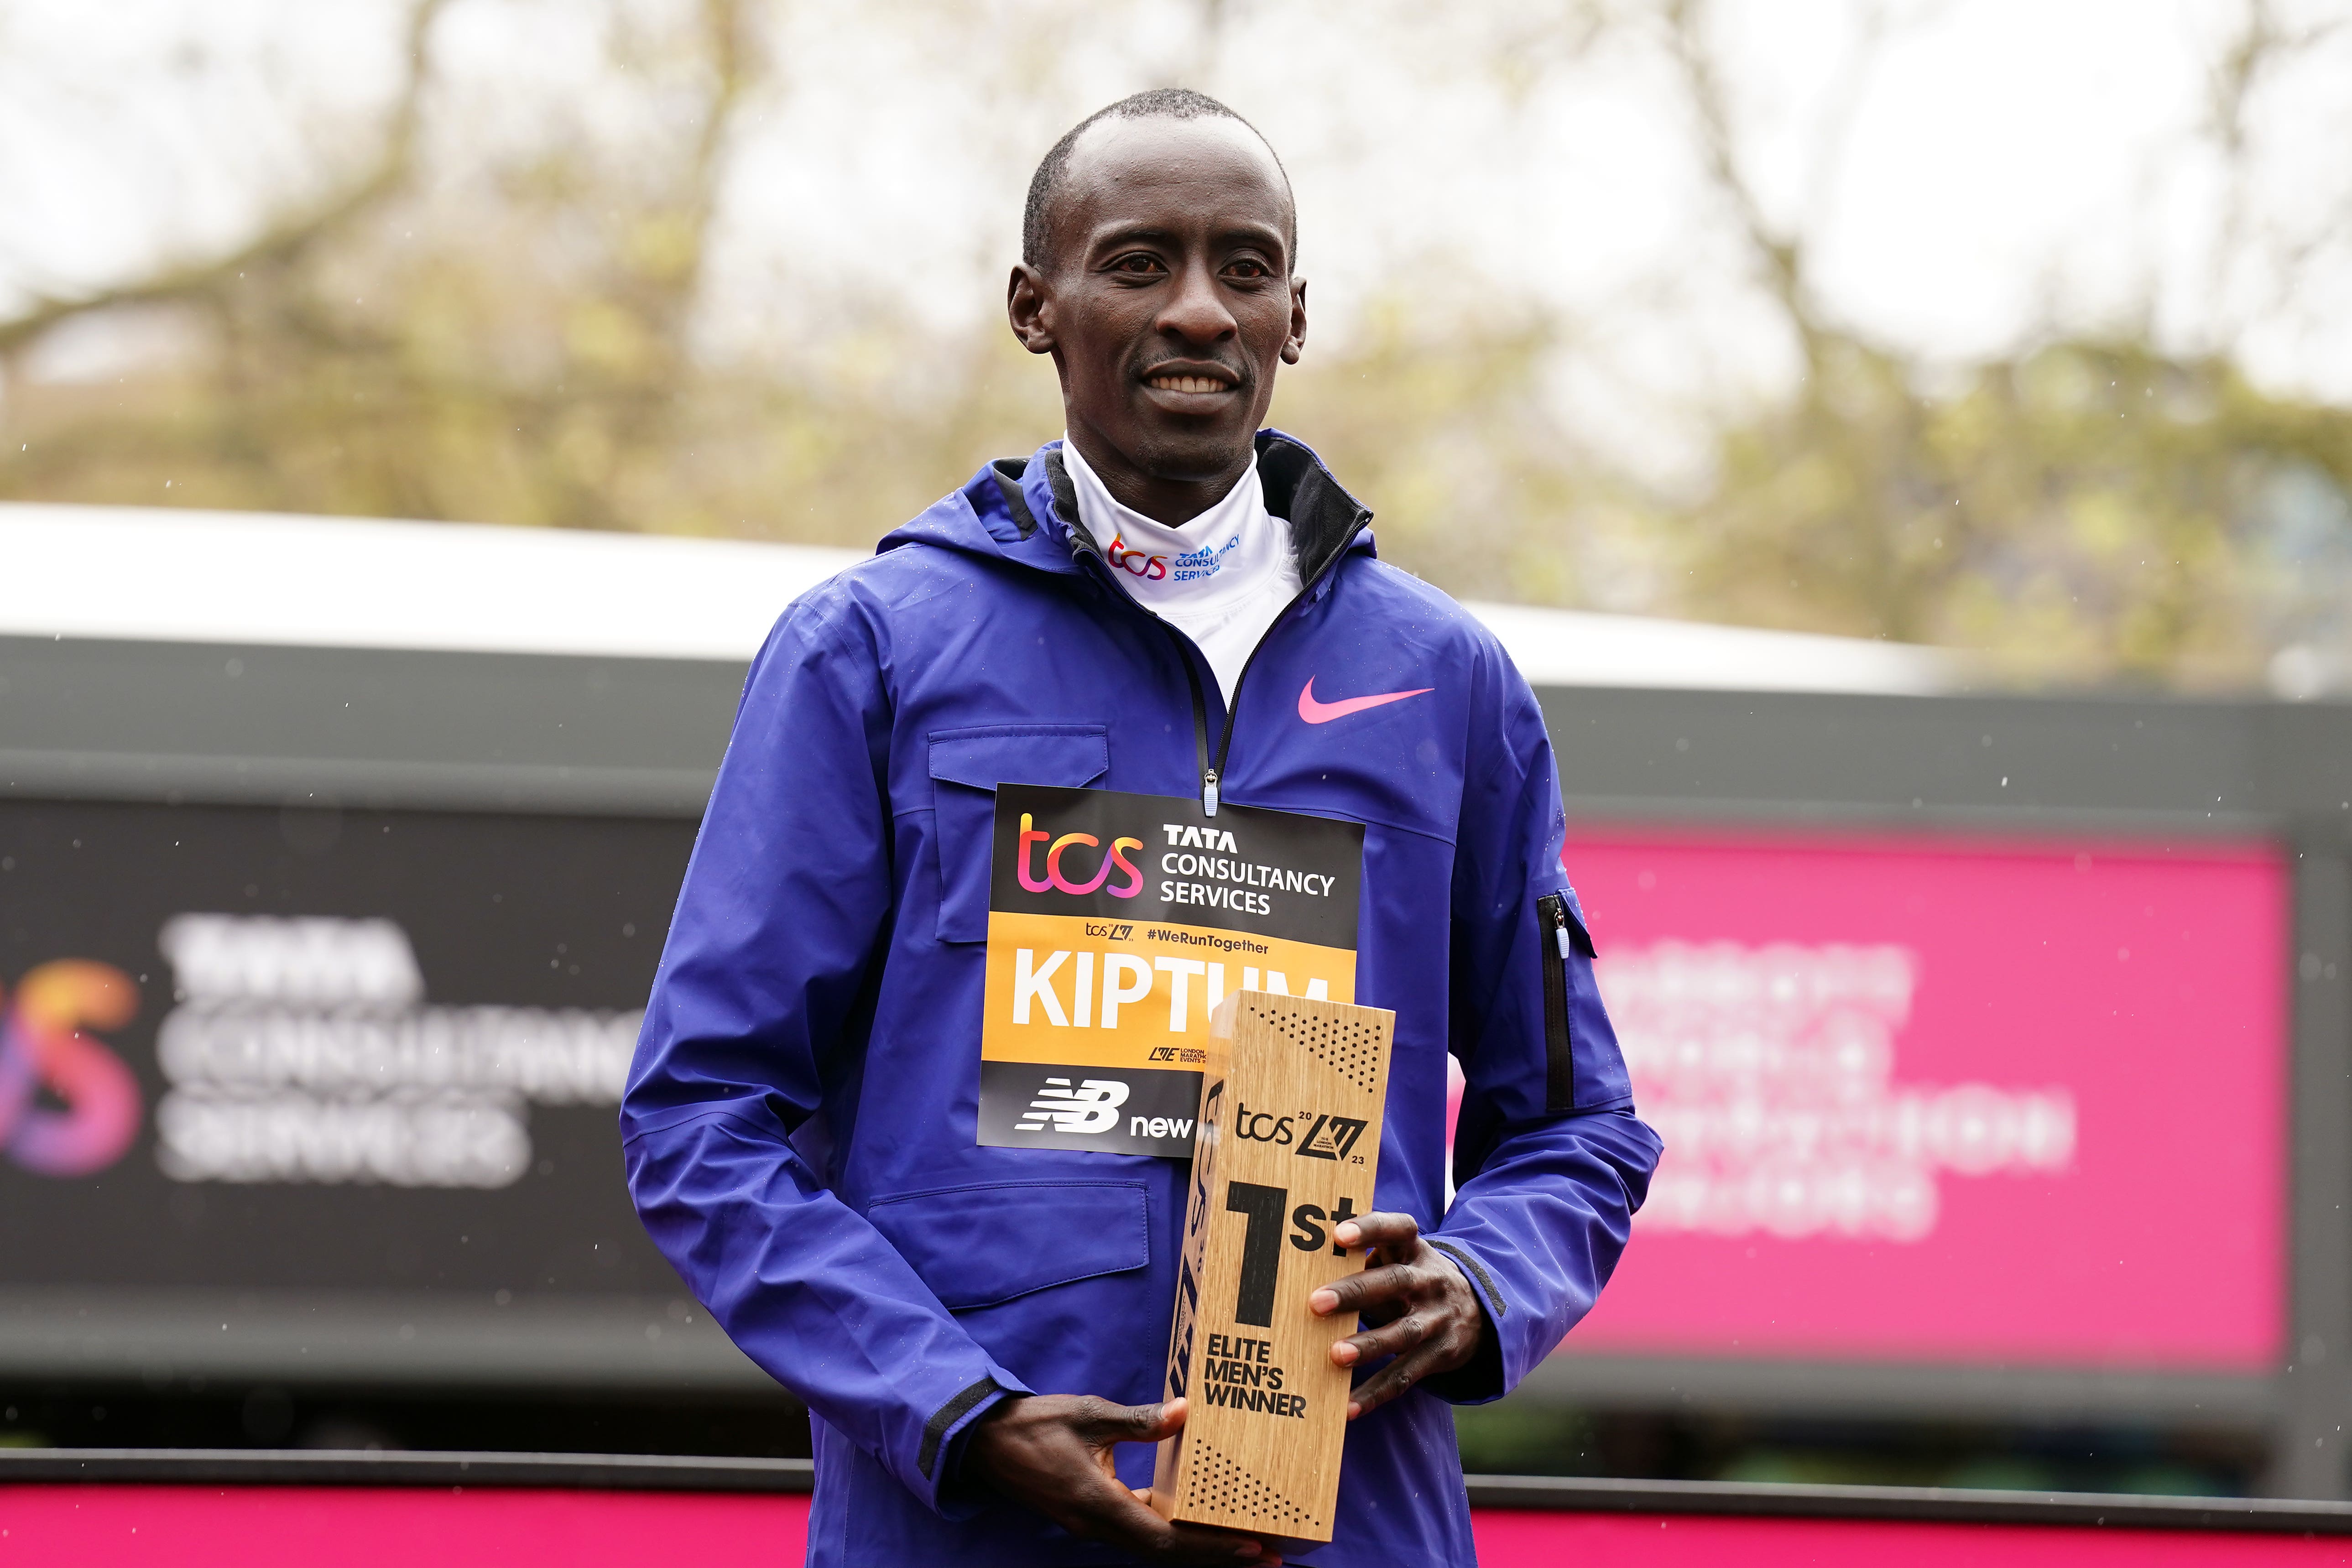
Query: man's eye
[1137, 264]
[1250, 270]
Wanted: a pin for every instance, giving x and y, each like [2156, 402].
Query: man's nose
[1195, 311]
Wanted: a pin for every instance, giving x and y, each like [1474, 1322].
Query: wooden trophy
[1288, 1145]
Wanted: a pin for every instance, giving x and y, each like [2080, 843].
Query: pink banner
[302, 1527]
[102, 1526]
[1939, 1100]
[1528, 1540]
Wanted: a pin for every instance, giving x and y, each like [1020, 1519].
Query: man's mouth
[1187, 381]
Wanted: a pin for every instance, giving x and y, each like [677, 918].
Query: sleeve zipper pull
[1209, 797]
[1559, 926]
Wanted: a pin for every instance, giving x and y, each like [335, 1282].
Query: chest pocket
[966, 767]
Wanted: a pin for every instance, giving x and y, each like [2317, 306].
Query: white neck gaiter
[1222, 578]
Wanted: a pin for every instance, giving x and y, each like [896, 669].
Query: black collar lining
[1323, 517]
[1008, 484]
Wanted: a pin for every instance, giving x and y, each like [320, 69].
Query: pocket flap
[966, 767]
[979, 1245]
[1579, 930]
[1069, 755]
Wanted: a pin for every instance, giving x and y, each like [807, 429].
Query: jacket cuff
[941, 1455]
[1479, 1379]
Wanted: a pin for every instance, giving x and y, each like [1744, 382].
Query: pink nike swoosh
[1315, 713]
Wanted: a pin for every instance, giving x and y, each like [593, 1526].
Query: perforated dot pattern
[1349, 1049]
[1214, 1483]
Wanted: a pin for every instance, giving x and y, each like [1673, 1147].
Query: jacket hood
[1022, 510]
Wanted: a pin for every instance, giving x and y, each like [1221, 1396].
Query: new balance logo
[1092, 1106]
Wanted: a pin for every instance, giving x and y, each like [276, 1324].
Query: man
[1171, 602]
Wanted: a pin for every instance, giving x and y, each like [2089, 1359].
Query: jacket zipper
[1212, 766]
[1559, 1056]
[1216, 768]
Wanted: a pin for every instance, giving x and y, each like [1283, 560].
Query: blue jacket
[799, 1120]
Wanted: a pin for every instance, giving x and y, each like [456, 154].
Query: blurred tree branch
[509, 339]
[2086, 508]
[1782, 254]
[281, 241]
[2258, 49]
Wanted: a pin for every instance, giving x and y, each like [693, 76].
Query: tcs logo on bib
[1057, 880]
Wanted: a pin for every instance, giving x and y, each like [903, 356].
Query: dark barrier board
[409, 1088]
[615, 744]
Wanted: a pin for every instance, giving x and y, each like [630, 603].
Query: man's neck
[1172, 502]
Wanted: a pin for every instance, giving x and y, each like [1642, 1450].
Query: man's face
[1167, 301]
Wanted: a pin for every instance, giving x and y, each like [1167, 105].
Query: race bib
[1116, 923]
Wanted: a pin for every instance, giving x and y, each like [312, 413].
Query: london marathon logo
[68, 1105]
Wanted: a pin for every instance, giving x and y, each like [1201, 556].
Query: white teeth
[1187, 384]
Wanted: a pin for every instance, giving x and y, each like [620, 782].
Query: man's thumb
[1150, 1423]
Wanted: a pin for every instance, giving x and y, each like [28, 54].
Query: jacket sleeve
[780, 929]
[1550, 1159]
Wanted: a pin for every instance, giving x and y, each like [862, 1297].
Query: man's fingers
[1395, 1339]
[1381, 1229]
[1223, 1538]
[1379, 1388]
[1109, 1423]
[1095, 1505]
[1150, 1423]
[1357, 1291]
[1398, 1377]
[1377, 1229]
[1120, 1515]
[1053, 1453]
[1126, 1518]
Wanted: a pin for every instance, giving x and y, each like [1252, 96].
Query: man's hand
[1051, 1452]
[1415, 1303]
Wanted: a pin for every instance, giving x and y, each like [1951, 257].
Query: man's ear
[1025, 306]
[1295, 344]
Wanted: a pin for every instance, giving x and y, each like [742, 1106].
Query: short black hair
[1158, 103]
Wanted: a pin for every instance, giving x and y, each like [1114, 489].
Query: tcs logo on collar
[93, 1112]
[1057, 880]
[1150, 568]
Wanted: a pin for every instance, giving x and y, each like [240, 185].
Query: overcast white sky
[2003, 166]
